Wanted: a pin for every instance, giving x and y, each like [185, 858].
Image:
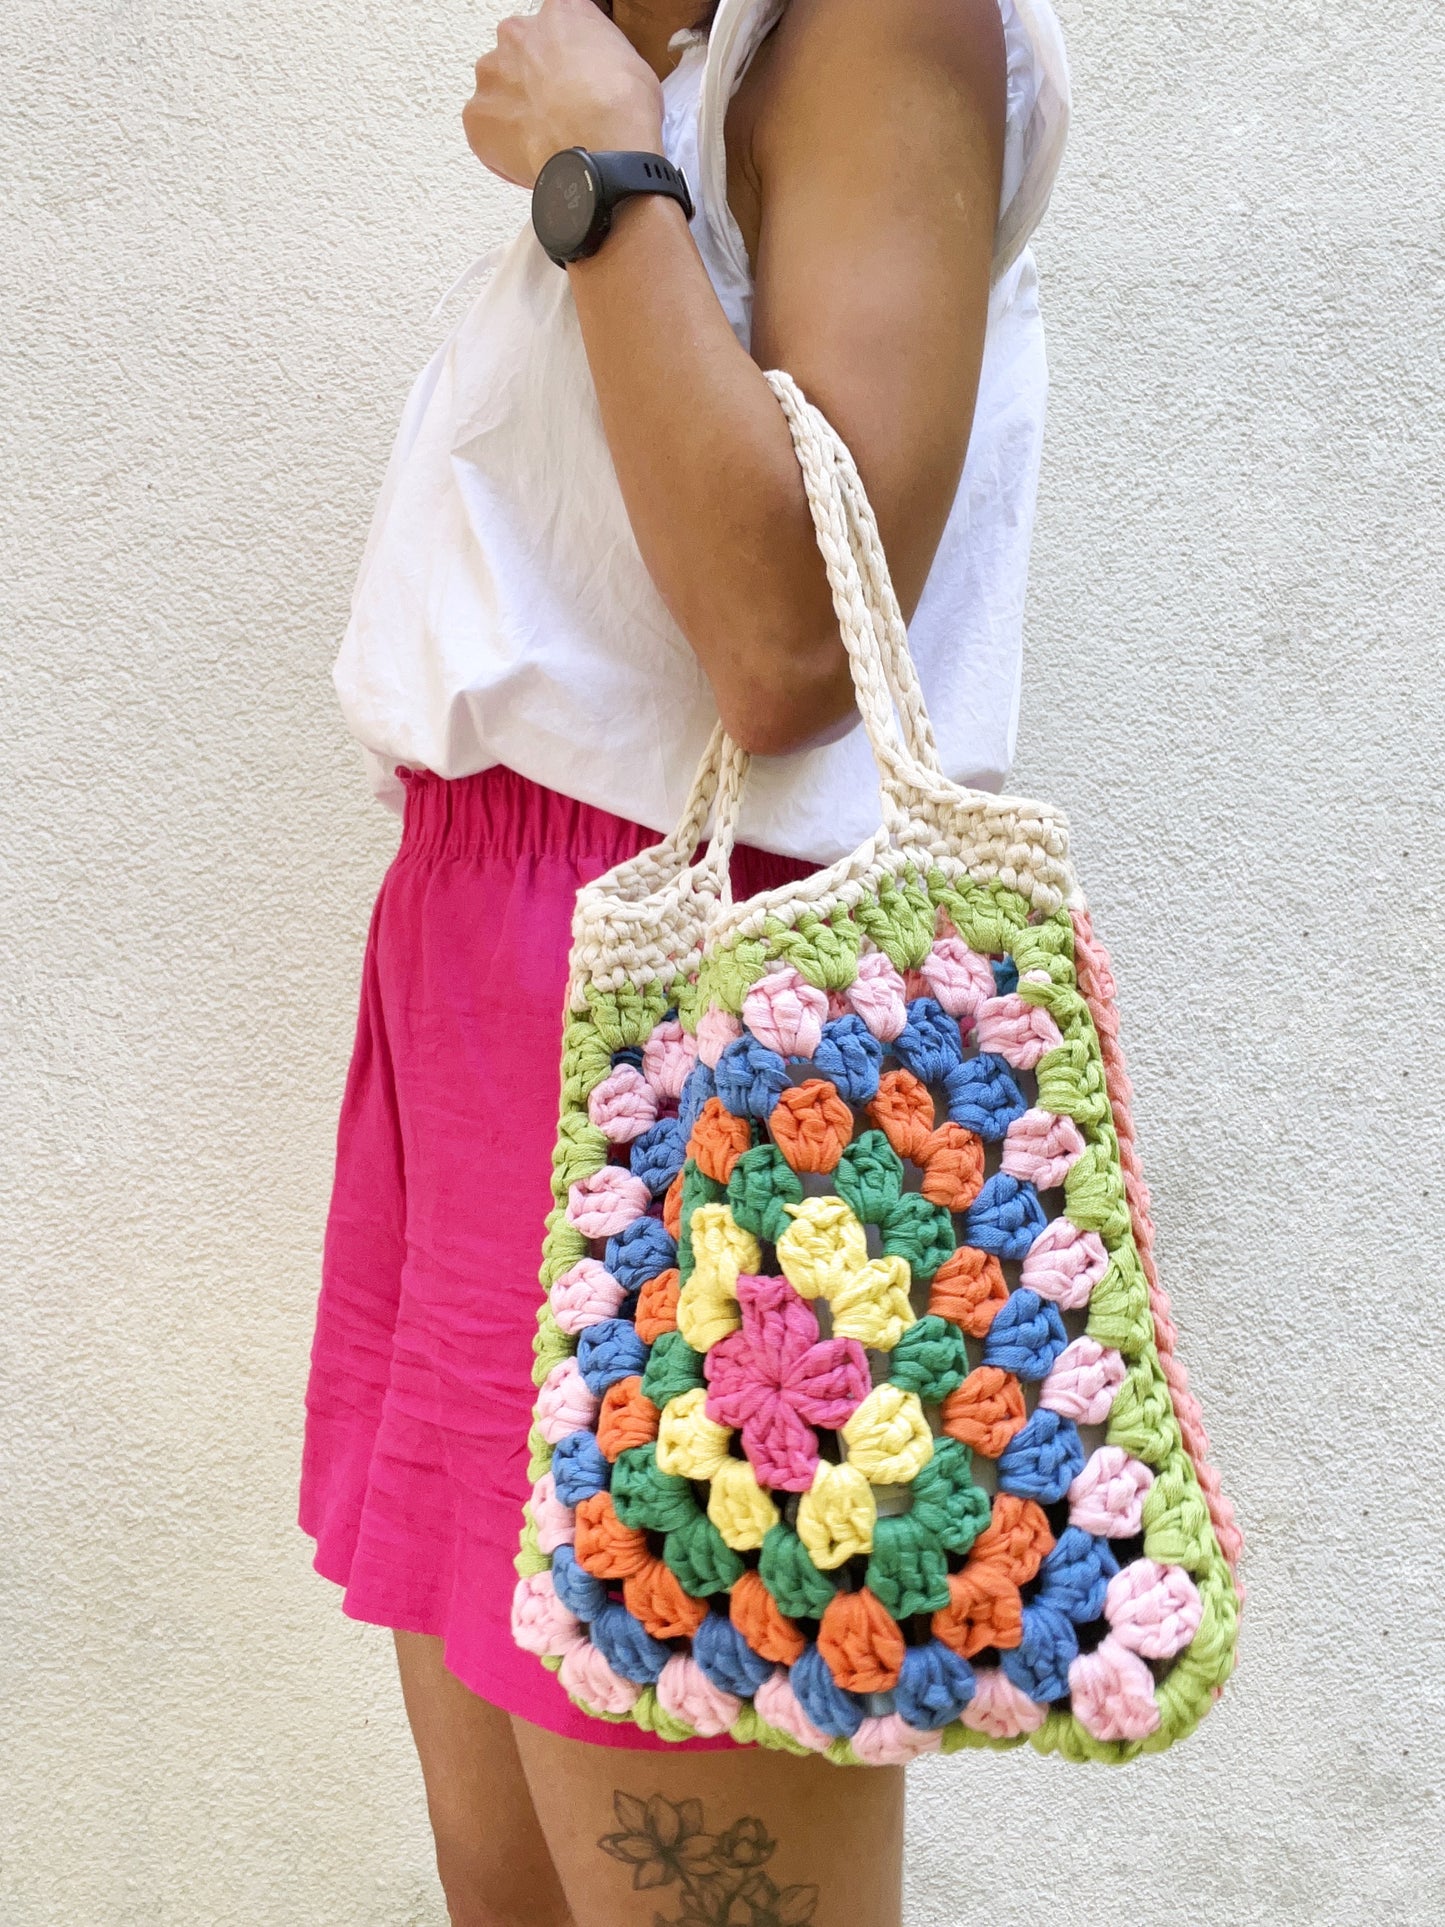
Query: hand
[561, 77]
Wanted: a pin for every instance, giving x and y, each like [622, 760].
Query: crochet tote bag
[859, 1428]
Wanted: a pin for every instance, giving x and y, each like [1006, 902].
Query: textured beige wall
[224, 226]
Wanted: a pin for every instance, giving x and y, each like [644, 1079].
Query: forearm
[705, 464]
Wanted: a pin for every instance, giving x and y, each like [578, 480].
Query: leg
[492, 1858]
[710, 1839]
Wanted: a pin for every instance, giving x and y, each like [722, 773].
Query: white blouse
[503, 612]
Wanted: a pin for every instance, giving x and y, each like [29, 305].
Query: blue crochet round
[579, 1592]
[696, 1091]
[982, 1096]
[851, 1057]
[659, 1154]
[934, 1686]
[727, 1659]
[1039, 1664]
[1026, 1336]
[830, 1708]
[1043, 1460]
[608, 1351]
[1076, 1574]
[750, 1078]
[579, 1468]
[639, 1251]
[627, 1645]
[1005, 1217]
[929, 1044]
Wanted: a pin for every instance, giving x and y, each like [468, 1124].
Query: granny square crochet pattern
[859, 1427]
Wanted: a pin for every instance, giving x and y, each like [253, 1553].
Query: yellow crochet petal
[888, 1437]
[707, 1306]
[689, 1443]
[873, 1307]
[738, 1506]
[836, 1515]
[823, 1248]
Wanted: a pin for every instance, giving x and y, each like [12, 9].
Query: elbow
[788, 696]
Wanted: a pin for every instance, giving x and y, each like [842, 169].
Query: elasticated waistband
[500, 815]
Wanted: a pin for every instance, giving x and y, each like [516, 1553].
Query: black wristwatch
[577, 190]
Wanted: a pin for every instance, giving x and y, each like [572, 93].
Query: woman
[592, 539]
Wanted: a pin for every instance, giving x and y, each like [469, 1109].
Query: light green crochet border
[901, 919]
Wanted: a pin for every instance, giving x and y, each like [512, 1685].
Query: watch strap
[623, 173]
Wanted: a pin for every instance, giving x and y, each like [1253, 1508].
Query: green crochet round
[763, 1183]
[701, 1558]
[648, 1499]
[930, 1359]
[869, 1177]
[907, 1571]
[672, 1367]
[797, 1586]
[920, 1232]
[947, 1503]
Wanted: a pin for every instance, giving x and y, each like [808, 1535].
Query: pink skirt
[420, 1394]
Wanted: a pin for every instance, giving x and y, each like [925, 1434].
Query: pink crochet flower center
[1015, 1030]
[775, 1379]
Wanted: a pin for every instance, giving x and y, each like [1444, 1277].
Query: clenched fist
[561, 77]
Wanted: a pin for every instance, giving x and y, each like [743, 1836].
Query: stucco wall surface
[224, 227]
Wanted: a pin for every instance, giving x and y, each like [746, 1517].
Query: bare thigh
[714, 1839]
[492, 1855]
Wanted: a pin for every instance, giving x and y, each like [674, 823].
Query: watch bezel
[599, 219]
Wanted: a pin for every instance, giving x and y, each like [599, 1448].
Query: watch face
[564, 201]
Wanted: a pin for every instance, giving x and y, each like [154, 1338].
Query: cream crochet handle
[870, 622]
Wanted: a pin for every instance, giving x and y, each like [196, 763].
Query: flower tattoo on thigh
[720, 1875]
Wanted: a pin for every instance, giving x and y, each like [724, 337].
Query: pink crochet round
[716, 1029]
[585, 1295]
[1112, 1692]
[775, 1379]
[1019, 1032]
[887, 1740]
[685, 1691]
[1083, 1381]
[606, 1202]
[556, 1523]
[958, 979]
[541, 1624]
[785, 1012]
[667, 1059]
[778, 1704]
[1065, 1264]
[1040, 1147]
[1154, 1610]
[1107, 1498]
[564, 1403]
[623, 1105]
[585, 1673]
[877, 995]
[999, 1708]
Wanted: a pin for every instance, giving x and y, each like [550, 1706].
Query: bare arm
[876, 162]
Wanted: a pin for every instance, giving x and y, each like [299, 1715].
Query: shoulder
[896, 42]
